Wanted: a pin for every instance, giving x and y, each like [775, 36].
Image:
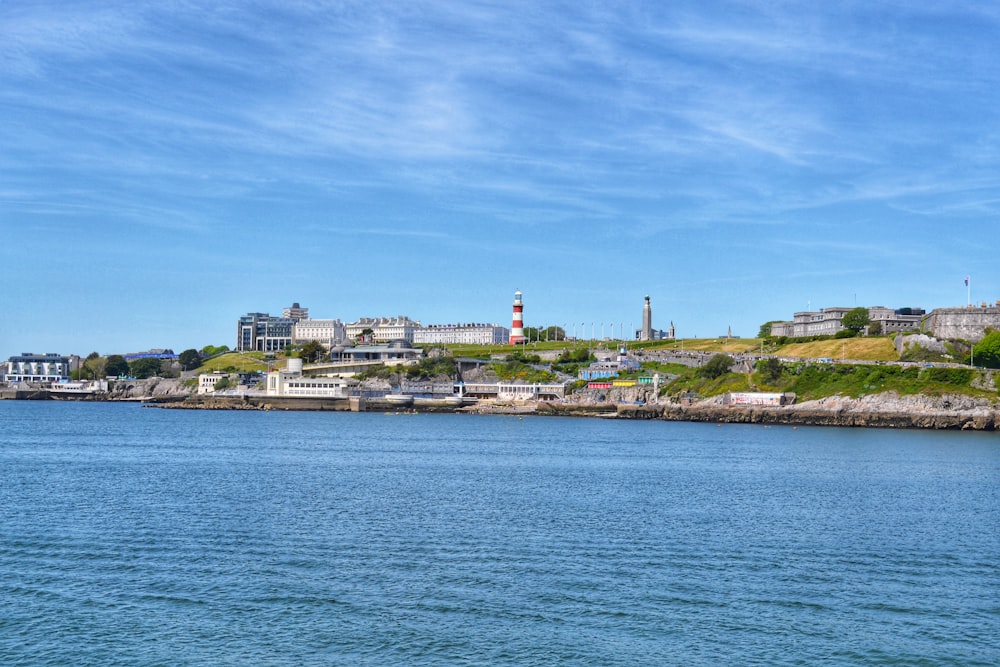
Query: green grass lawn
[238, 362]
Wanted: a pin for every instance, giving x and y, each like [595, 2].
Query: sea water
[139, 536]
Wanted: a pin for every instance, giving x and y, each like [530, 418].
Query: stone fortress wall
[964, 323]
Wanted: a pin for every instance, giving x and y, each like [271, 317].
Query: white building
[291, 382]
[207, 381]
[327, 332]
[30, 367]
[510, 391]
[471, 334]
[384, 329]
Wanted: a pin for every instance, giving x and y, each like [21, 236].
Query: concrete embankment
[352, 404]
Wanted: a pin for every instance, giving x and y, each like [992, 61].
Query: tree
[770, 370]
[189, 359]
[856, 320]
[144, 368]
[987, 351]
[717, 366]
[93, 367]
[312, 351]
[765, 329]
[116, 365]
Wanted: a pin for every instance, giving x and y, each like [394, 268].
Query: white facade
[471, 334]
[285, 383]
[755, 398]
[207, 382]
[509, 391]
[384, 329]
[30, 367]
[328, 332]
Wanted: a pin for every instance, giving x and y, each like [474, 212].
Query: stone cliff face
[124, 390]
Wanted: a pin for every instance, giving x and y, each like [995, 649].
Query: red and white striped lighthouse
[517, 328]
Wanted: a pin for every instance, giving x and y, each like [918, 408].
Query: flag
[966, 281]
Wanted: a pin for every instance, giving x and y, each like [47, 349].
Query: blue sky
[168, 166]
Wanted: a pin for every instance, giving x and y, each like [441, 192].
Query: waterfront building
[29, 367]
[383, 329]
[327, 332]
[207, 381]
[457, 334]
[292, 382]
[510, 391]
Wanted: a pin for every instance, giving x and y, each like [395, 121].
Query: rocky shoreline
[887, 410]
[876, 411]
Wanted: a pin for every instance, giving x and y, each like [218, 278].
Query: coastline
[874, 411]
[887, 410]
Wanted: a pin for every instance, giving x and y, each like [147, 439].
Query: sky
[168, 166]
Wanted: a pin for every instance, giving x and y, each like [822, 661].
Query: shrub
[717, 366]
[956, 376]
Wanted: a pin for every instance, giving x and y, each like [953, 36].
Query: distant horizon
[168, 167]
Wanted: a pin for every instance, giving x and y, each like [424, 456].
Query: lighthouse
[517, 328]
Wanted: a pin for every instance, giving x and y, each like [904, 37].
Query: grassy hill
[233, 362]
[865, 349]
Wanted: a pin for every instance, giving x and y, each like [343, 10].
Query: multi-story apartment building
[295, 312]
[471, 334]
[328, 332]
[260, 332]
[384, 329]
[30, 367]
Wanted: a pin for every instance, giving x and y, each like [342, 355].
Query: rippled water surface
[137, 536]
